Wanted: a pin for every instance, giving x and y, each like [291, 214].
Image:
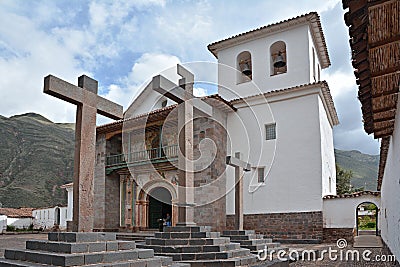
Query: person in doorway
[168, 220]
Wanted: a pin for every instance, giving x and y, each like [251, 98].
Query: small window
[164, 103]
[261, 174]
[270, 131]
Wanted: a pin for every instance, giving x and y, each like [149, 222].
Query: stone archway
[365, 216]
[143, 202]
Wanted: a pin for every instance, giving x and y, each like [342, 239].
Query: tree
[343, 178]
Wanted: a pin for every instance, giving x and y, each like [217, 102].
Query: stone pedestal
[83, 249]
[250, 240]
[198, 246]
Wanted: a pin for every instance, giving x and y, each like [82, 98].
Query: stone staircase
[252, 241]
[199, 246]
[84, 249]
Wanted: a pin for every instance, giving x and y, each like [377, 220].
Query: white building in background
[3, 223]
[18, 218]
[70, 199]
[48, 218]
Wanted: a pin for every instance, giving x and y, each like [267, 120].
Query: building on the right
[374, 28]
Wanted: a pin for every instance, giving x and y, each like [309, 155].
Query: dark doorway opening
[57, 216]
[159, 206]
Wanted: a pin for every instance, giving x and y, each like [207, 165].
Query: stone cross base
[83, 249]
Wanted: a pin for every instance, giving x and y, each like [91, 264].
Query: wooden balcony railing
[156, 154]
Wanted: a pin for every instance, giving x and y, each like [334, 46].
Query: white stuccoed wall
[341, 212]
[299, 67]
[390, 192]
[70, 204]
[19, 223]
[3, 223]
[327, 153]
[45, 218]
[294, 180]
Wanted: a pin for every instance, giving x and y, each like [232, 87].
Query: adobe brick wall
[331, 235]
[295, 225]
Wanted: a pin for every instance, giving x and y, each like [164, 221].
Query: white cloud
[147, 66]
[198, 91]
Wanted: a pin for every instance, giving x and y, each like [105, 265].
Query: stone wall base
[294, 226]
[331, 235]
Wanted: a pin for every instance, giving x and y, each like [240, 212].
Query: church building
[271, 107]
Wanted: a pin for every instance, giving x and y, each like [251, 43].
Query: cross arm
[235, 162]
[169, 89]
[63, 90]
[76, 95]
[109, 109]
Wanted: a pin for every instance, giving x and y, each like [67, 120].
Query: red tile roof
[17, 213]
[356, 194]
[312, 18]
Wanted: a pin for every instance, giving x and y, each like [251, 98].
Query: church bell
[279, 61]
[246, 69]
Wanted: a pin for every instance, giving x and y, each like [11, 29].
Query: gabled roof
[17, 213]
[214, 100]
[312, 19]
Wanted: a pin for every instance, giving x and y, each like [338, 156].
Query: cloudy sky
[124, 43]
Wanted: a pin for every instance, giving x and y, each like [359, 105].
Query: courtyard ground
[18, 241]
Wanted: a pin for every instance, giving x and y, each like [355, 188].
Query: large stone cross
[239, 166]
[183, 95]
[88, 105]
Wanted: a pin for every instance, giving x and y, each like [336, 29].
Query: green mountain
[363, 166]
[36, 158]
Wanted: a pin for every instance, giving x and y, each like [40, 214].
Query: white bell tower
[277, 56]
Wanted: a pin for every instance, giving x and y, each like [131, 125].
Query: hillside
[363, 166]
[36, 157]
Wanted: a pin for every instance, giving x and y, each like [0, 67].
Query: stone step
[191, 249]
[81, 237]
[181, 229]
[237, 253]
[181, 235]
[67, 247]
[253, 242]
[181, 242]
[153, 262]
[243, 237]
[238, 232]
[62, 259]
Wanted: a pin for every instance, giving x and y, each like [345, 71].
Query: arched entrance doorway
[160, 204]
[367, 219]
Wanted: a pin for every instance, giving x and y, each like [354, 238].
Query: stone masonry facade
[331, 235]
[210, 181]
[284, 226]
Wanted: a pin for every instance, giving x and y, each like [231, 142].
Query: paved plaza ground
[18, 241]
